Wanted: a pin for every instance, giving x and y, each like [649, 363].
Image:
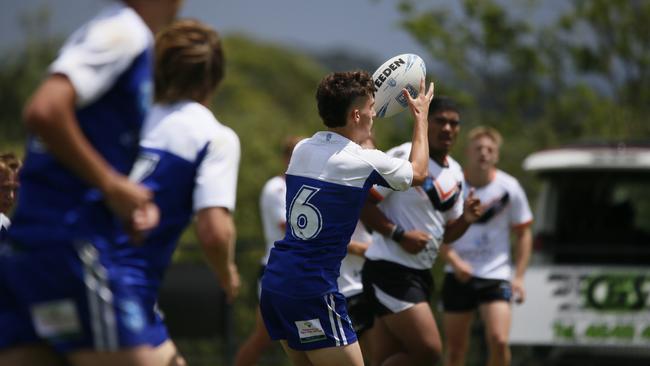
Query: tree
[580, 74]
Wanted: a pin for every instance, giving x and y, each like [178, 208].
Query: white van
[588, 284]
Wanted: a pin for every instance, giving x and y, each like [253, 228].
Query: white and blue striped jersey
[109, 63]
[190, 161]
[328, 179]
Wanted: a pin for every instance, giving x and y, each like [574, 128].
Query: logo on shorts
[133, 315]
[56, 319]
[310, 330]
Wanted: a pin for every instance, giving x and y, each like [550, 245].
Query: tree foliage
[580, 75]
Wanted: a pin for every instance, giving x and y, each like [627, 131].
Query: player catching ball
[328, 179]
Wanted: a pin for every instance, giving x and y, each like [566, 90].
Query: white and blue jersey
[190, 161]
[109, 63]
[328, 179]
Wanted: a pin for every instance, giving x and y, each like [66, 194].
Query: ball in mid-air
[397, 73]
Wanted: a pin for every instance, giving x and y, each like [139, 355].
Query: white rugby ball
[399, 72]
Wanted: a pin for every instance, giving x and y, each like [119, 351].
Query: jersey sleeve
[520, 213]
[97, 54]
[394, 170]
[272, 209]
[216, 179]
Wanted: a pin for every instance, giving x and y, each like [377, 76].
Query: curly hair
[337, 91]
[189, 62]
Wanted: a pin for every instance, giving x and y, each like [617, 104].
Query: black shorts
[391, 287]
[360, 313]
[458, 296]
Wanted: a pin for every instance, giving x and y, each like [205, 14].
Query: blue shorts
[307, 324]
[70, 298]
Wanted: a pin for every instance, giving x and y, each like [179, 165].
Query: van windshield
[595, 217]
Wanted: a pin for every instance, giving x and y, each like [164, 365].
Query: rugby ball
[399, 72]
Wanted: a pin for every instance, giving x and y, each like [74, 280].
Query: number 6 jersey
[328, 179]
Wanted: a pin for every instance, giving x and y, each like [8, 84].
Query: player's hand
[230, 283]
[143, 220]
[414, 241]
[472, 209]
[419, 105]
[132, 203]
[518, 290]
[462, 270]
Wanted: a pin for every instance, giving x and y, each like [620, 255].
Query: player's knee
[428, 354]
[498, 342]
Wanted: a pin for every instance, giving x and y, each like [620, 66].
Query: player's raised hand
[472, 209]
[419, 105]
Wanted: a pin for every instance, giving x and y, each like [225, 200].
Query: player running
[479, 274]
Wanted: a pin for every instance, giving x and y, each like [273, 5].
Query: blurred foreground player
[62, 284]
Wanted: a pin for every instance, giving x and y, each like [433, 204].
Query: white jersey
[97, 54]
[273, 210]
[350, 278]
[427, 208]
[486, 244]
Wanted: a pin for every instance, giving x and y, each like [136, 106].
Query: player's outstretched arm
[215, 229]
[50, 114]
[419, 108]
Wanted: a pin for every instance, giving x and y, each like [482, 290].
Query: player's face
[8, 189]
[482, 153]
[443, 130]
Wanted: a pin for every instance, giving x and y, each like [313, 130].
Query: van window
[595, 217]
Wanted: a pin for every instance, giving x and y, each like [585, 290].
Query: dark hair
[189, 62]
[337, 91]
[442, 103]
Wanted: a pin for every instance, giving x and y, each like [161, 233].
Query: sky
[367, 27]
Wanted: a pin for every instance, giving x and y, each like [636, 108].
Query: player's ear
[355, 114]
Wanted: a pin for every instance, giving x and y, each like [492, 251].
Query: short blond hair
[488, 132]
